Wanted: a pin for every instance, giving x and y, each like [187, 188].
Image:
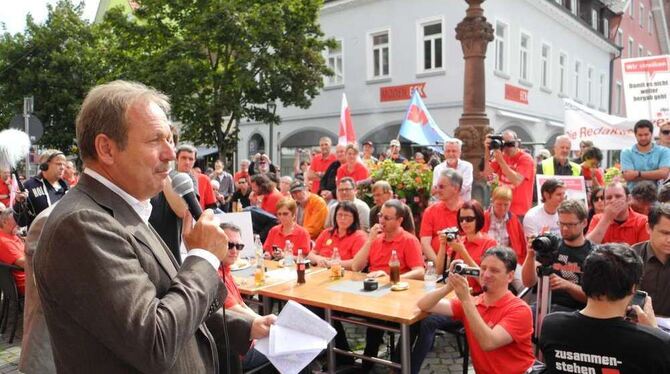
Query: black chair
[11, 298]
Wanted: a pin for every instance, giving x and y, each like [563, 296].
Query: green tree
[55, 62]
[220, 61]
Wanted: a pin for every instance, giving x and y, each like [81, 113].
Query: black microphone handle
[193, 205]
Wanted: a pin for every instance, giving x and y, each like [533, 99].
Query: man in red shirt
[234, 300]
[514, 168]
[263, 187]
[243, 172]
[442, 214]
[12, 248]
[384, 237]
[186, 156]
[320, 163]
[618, 223]
[5, 187]
[498, 325]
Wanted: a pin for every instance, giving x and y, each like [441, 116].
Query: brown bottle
[394, 265]
[300, 267]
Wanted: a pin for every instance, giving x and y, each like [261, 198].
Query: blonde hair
[287, 203]
[502, 193]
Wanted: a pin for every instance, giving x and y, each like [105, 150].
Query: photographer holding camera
[597, 339]
[513, 167]
[498, 325]
[566, 260]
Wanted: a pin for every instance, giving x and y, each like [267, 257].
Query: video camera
[546, 249]
[451, 233]
[464, 270]
[497, 142]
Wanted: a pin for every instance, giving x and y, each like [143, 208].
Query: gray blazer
[113, 298]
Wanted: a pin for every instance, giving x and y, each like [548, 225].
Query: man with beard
[644, 160]
[452, 159]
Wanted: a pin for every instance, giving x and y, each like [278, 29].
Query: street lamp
[271, 108]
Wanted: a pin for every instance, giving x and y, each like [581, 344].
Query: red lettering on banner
[404, 92]
[517, 94]
[650, 66]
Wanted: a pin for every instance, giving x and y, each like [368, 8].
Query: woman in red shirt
[470, 246]
[266, 189]
[345, 235]
[287, 229]
[352, 167]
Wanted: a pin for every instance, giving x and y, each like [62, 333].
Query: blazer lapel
[127, 217]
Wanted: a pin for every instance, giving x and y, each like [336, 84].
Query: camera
[546, 249]
[462, 269]
[497, 142]
[450, 232]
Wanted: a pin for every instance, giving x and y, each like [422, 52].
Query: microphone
[183, 186]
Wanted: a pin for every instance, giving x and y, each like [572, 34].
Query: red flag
[346, 134]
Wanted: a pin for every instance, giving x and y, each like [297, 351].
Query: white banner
[647, 88]
[607, 132]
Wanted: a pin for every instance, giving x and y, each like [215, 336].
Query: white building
[542, 52]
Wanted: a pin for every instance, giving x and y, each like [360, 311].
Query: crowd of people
[118, 242]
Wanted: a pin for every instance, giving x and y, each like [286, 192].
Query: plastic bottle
[288, 254]
[259, 273]
[394, 265]
[336, 265]
[430, 277]
[300, 267]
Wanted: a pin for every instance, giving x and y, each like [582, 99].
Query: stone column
[474, 33]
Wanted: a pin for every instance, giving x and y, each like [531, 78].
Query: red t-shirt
[633, 231]
[234, 297]
[437, 217]
[476, 249]
[347, 245]
[298, 236]
[359, 173]
[513, 315]
[523, 164]
[319, 165]
[242, 174]
[4, 190]
[205, 191]
[407, 247]
[270, 201]
[590, 173]
[12, 249]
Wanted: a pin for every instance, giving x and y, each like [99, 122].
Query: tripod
[543, 304]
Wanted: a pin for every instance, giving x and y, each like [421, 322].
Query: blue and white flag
[419, 127]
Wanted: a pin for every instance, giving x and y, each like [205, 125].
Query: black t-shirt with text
[574, 343]
[569, 267]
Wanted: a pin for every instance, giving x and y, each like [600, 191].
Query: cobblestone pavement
[443, 359]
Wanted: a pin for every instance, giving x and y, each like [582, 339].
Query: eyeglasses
[442, 186]
[467, 219]
[598, 198]
[665, 132]
[568, 225]
[386, 218]
[344, 189]
[238, 246]
[282, 214]
[345, 215]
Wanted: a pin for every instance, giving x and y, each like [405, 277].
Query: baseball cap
[297, 186]
[369, 143]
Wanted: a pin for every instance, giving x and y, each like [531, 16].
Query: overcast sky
[13, 12]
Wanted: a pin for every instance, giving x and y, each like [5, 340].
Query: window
[650, 22]
[524, 57]
[619, 38]
[573, 6]
[641, 15]
[594, 19]
[501, 42]
[606, 28]
[601, 90]
[589, 86]
[562, 73]
[380, 54]
[631, 8]
[617, 103]
[545, 66]
[432, 43]
[640, 51]
[630, 47]
[334, 59]
[578, 68]
[648, 53]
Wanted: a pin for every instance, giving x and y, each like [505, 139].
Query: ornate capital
[473, 138]
[474, 33]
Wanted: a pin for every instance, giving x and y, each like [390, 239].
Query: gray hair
[455, 178]
[456, 141]
[230, 226]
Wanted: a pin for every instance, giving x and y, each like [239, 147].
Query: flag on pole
[346, 134]
[418, 126]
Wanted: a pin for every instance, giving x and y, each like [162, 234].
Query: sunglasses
[467, 219]
[238, 246]
[598, 198]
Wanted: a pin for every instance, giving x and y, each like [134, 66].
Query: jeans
[253, 359]
[424, 342]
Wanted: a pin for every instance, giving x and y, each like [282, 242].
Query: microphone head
[182, 184]
[14, 146]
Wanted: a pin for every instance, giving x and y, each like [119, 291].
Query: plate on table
[240, 264]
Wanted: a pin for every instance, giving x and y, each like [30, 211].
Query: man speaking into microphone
[113, 297]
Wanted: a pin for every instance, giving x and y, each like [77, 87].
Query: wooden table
[398, 307]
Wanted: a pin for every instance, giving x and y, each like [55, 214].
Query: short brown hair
[288, 203]
[105, 111]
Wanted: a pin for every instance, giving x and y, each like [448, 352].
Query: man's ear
[105, 149]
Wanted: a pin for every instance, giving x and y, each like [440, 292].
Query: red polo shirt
[234, 297]
[347, 245]
[270, 201]
[4, 190]
[298, 236]
[437, 217]
[407, 247]
[242, 174]
[512, 314]
[359, 173]
[12, 249]
[476, 249]
[319, 165]
[205, 191]
[523, 164]
[633, 231]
